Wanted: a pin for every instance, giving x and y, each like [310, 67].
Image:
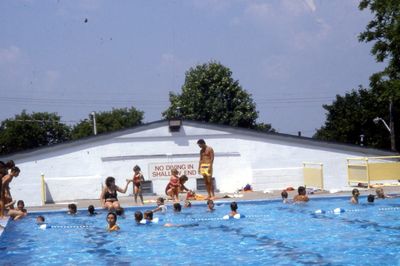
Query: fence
[372, 169]
[313, 174]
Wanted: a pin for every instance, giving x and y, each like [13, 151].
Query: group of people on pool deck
[7, 173]
[109, 197]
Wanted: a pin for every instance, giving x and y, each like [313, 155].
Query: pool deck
[128, 201]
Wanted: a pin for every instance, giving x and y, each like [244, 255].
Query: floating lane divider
[340, 210]
[47, 226]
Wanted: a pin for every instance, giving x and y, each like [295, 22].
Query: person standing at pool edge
[206, 166]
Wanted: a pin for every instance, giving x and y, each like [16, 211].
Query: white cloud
[311, 5]
[9, 55]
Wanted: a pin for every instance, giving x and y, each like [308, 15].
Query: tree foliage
[210, 94]
[384, 31]
[352, 115]
[27, 131]
[108, 121]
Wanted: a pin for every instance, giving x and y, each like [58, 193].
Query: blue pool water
[271, 232]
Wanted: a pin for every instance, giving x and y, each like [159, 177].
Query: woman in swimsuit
[109, 197]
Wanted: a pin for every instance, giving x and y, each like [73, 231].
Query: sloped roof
[286, 138]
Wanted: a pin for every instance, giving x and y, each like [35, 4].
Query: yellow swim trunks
[205, 169]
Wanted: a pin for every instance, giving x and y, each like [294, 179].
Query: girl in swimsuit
[109, 197]
[173, 186]
[137, 183]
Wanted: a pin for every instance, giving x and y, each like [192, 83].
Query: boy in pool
[72, 209]
[354, 198]
[371, 198]
[284, 196]
[210, 205]
[188, 204]
[234, 208]
[138, 217]
[112, 222]
[177, 207]
[301, 197]
[91, 210]
[160, 206]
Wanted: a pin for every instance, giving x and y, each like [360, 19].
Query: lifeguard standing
[206, 166]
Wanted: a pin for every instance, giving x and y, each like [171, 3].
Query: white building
[77, 169]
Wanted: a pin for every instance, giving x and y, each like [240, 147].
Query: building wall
[78, 170]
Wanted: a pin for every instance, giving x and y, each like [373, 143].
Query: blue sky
[292, 56]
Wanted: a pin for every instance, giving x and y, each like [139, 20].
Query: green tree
[352, 115]
[384, 31]
[108, 121]
[27, 131]
[210, 94]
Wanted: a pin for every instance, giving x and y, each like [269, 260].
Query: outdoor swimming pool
[271, 232]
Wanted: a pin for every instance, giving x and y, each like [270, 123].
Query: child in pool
[234, 208]
[380, 194]
[160, 206]
[72, 209]
[112, 222]
[210, 205]
[354, 198]
[91, 210]
[301, 197]
[371, 198]
[284, 196]
[138, 217]
[177, 207]
[19, 212]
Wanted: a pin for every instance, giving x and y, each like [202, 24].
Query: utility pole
[94, 123]
[391, 125]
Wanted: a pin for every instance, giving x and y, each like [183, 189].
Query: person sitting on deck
[19, 212]
[108, 195]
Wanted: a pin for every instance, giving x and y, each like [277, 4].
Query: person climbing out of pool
[182, 180]
[210, 205]
[284, 196]
[108, 195]
[112, 222]
[6, 180]
[160, 206]
[72, 209]
[354, 198]
[18, 213]
[172, 188]
[301, 195]
[206, 166]
[137, 180]
[91, 210]
[188, 204]
[3, 172]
